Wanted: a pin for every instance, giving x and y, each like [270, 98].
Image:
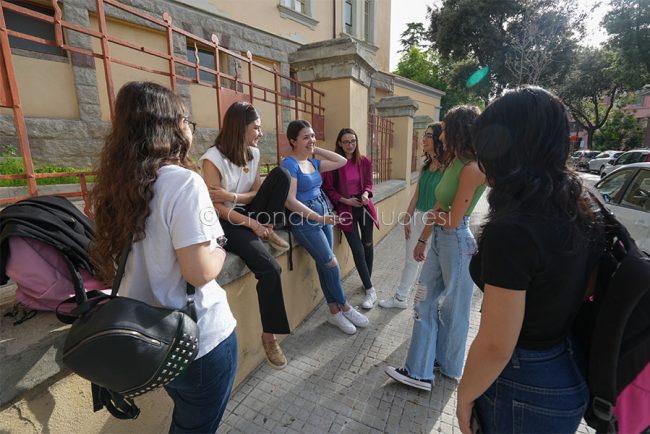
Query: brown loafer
[274, 354]
[276, 242]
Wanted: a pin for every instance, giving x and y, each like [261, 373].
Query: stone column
[341, 68]
[400, 110]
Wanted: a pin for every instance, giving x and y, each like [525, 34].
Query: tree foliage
[628, 25]
[413, 36]
[621, 131]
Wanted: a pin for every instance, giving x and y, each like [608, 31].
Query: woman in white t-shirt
[146, 195]
[248, 209]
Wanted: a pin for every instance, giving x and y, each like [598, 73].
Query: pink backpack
[42, 275]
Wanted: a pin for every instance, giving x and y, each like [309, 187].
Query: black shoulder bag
[125, 347]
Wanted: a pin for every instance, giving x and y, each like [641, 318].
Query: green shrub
[10, 164]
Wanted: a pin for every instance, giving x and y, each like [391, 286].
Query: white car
[626, 193]
[599, 163]
[629, 157]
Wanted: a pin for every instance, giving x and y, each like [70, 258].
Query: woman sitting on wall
[146, 195]
[248, 209]
[311, 220]
[350, 189]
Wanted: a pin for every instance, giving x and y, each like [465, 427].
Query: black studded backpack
[125, 347]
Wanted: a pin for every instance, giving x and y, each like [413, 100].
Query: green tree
[522, 41]
[427, 68]
[413, 36]
[591, 88]
[628, 25]
[621, 131]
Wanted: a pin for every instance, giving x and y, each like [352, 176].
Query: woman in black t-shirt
[532, 264]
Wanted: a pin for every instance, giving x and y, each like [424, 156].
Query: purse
[126, 347]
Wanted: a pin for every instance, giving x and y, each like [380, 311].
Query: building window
[368, 20]
[298, 10]
[347, 16]
[31, 26]
[294, 86]
[206, 59]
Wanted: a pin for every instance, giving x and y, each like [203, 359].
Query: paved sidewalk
[335, 383]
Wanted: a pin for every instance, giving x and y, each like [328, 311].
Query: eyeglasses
[349, 142]
[191, 125]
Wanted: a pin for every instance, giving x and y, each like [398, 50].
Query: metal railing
[228, 87]
[380, 133]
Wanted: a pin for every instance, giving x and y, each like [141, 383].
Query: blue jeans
[201, 392]
[442, 304]
[539, 391]
[318, 240]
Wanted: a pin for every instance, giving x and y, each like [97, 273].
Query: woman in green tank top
[441, 324]
[424, 198]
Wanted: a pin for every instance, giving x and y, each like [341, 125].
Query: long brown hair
[356, 155]
[230, 140]
[146, 134]
[438, 147]
[458, 132]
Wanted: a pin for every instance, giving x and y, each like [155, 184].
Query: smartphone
[474, 424]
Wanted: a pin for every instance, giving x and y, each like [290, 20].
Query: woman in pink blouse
[350, 189]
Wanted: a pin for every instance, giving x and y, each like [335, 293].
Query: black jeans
[360, 241]
[267, 204]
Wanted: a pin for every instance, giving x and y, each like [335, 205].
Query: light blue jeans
[318, 240]
[442, 304]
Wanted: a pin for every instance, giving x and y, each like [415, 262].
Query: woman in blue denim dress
[311, 220]
[524, 373]
[444, 295]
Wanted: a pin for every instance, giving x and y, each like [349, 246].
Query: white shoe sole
[349, 331]
[392, 373]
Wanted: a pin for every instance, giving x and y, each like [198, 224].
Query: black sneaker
[401, 375]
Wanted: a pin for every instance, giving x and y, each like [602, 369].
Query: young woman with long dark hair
[248, 209]
[350, 189]
[147, 195]
[423, 199]
[441, 325]
[311, 220]
[524, 372]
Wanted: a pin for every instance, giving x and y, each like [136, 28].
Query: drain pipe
[334, 19]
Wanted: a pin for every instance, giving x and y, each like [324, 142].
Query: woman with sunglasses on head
[146, 194]
[248, 209]
[424, 198]
[524, 373]
[311, 220]
[350, 189]
[444, 295]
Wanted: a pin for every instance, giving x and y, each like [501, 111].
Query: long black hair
[522, 144]
[438, 147]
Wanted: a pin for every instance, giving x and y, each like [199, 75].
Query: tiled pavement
[335, 383]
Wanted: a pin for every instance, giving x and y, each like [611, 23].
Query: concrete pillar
[341, 68]
[400, 110]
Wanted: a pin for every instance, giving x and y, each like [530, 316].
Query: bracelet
[235, 199]
[420, 240]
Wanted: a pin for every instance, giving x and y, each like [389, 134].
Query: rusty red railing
[228, 87]
[380, 132]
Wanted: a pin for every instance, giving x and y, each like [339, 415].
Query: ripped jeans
[442, 304]
[317, 239]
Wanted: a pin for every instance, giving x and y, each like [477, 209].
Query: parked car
[580, 159]
[629, 157]
[626, 193]
[600, 162]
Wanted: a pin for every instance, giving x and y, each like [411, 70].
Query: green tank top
[448, 186]
[427, 189]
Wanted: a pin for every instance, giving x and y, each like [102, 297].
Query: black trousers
[360, 241]
[268, 202]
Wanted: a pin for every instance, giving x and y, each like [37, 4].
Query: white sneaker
[393, 302]
[356, 317]
[369, 300]
[342, 323]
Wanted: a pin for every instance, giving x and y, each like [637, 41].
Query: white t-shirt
[234, 179]
[181, 215]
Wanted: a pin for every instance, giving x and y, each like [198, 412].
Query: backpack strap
[116, 404]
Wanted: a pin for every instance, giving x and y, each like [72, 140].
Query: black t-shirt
[541, 257]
